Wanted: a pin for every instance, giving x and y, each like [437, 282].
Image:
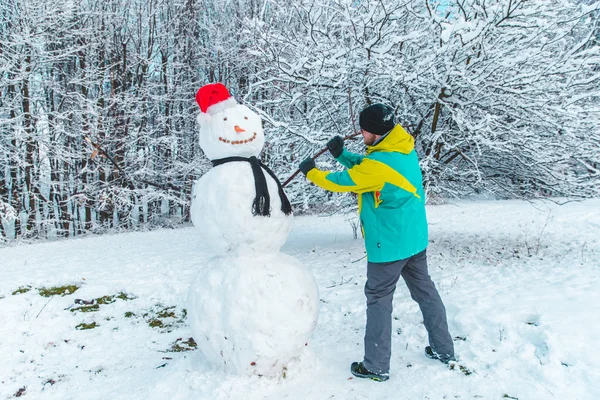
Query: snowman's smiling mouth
[238, 141]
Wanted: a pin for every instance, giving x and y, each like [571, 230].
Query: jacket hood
[396, 140]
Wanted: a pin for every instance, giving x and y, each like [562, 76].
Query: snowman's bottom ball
[252, 315]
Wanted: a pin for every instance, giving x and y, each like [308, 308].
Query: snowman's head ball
[235, 131]
[227, 129]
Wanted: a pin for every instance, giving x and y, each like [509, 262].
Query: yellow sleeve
[364, 177]
[368, 176]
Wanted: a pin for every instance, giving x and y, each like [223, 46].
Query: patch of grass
[94, 305]
[111, 299]
[129, 314]
[465, 370]
[83, 326]
[90, 308]
[167, 313]
[21, 290]
[462, 368]
[166, 318]
[156, 323]
[105, 300]
[125, 296]
[58, 290]
[180, 345]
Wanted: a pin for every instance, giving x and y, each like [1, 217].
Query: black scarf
[262, 202]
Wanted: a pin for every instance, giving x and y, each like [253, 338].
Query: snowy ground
[520, 282]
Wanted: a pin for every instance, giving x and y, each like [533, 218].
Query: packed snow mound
[222, 211]
[236, 322]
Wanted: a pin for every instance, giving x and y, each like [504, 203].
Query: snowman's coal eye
[245, 117]
[225, 119]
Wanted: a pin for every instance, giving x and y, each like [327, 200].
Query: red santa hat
[214, 98]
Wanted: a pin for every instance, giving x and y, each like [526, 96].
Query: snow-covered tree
[501, 95]
[97, 112]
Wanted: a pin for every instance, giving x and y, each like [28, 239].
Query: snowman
[251, 308]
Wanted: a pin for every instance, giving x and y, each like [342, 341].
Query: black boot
[358, 369]
[445, 358]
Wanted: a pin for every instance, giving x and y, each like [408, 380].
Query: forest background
[97, 112]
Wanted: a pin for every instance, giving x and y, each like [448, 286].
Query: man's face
[368, 137]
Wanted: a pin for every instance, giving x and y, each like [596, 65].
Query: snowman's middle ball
[222, 211]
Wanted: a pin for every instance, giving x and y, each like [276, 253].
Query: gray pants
[379, 289]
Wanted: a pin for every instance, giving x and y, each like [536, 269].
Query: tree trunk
[30, 151]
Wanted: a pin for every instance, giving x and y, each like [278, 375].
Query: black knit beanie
[377, 119]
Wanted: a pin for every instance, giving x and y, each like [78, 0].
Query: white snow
[222, 211]
[251, 308]
[251, 314]
[519, 280]
[235, 131]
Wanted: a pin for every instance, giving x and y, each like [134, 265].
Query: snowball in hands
[251, 308]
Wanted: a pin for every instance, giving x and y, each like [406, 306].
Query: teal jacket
[391, 199]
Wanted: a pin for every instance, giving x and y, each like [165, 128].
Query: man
[391, 203]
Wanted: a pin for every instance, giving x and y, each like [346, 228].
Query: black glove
[336, 146]
[307, 165]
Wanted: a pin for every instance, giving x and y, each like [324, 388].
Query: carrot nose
[238, 129]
